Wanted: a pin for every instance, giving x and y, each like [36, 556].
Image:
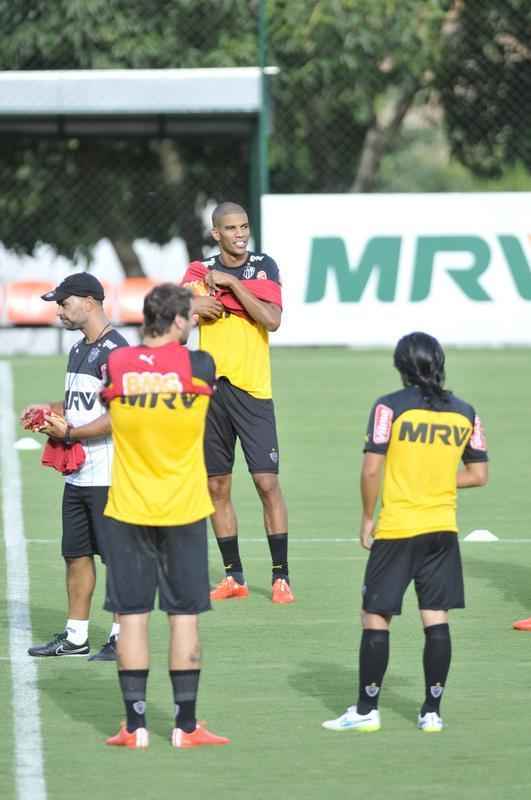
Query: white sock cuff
[77, 630]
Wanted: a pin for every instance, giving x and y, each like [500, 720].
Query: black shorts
[84, 526]
[432, 560]
[142, 559]
[235, 413]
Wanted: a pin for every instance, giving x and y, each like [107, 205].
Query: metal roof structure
[134, 102]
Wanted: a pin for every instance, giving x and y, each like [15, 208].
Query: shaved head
[223, 210]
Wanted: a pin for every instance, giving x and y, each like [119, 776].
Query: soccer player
[82, 417]
[238, 301]
[158, 396]
[416, 437]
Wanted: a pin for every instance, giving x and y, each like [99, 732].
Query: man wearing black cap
[81, 417]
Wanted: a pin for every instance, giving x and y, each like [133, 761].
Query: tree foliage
[72, 192]
[350, 71]
[485, 84]
[346, 67]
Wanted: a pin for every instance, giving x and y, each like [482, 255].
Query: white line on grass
[299, 540]
[29, 772]
[296, 540]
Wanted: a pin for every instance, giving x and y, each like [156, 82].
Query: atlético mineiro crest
[248, 272]
[372, 690]
[93, 355]
[436, 691]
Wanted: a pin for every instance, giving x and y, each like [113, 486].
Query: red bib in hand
[65, 458]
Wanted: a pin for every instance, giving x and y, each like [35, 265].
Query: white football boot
[430, 722]
[352, 721]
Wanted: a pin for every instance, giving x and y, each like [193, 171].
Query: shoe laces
[59, 637]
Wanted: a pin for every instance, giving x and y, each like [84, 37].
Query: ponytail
[420, 360]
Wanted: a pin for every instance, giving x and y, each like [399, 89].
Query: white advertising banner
[365, 269]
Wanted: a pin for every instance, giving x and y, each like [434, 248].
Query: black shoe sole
[97, 657]
[59, 655]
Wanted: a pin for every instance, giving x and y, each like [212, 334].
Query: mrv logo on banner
[365, 269]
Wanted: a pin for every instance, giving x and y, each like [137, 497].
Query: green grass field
[271, 673]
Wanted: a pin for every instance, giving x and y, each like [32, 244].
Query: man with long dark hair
[415, 441]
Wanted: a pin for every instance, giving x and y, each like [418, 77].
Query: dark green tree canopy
[485, 84]
[350, 71]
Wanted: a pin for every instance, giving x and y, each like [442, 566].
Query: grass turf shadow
[47, 621]
[335, 686]
[89, 693]
[513, 580]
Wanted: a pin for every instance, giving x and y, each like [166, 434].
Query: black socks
[278, 546]
[185, 683]
[436, 661]
[133, 685]
[230, 553]
[373, 660]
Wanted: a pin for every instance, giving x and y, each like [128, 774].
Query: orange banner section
[130, 299]
[21, 304]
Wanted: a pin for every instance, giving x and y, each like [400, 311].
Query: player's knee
[266, 484]
[219, 488]
[81, 565]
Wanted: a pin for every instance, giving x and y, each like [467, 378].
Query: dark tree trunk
[378, 139]
[191, 225]
[128, 258]
[188, 215]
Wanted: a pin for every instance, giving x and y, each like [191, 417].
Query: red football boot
[197, 738]
[137, 740]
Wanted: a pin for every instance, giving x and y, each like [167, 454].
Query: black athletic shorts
[235, 413]
[432, 560]
[84, 526]
[142, 559]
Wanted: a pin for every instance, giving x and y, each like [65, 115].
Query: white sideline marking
[29, 772]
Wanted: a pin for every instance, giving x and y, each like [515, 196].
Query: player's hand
[216, 279]
[55, 426]
[207, 307]
[367, 533]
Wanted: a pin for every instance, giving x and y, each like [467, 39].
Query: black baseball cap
[82, 284]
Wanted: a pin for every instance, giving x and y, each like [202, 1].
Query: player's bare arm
[267, 314]
[472, 475]
[57, 427]
[370, 483]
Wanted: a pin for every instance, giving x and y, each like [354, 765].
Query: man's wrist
[67, 437]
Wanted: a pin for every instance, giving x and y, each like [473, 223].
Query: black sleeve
[379, 427]
[111, 343]
[476, 447]
[203, 366]
[271, 269]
